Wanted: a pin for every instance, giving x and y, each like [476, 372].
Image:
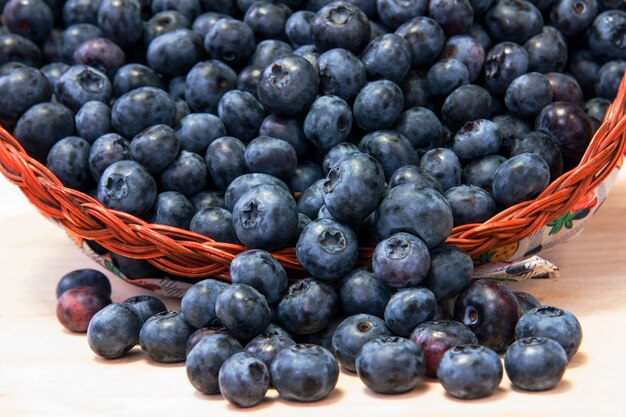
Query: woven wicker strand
[186, 254]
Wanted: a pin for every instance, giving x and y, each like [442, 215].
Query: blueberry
[307, 307]
[596, 109]
[228, 7]
[16, 48]
[526, 302]
[262, 271]
[188, 8]
[444, 165]
[215, 223]
[32, 19]
[605, 35]
[412, 174]
[609, 79]
[267, 51]
[93, 120]
[80, 84]
[513, 20]
[265, 217]
[569, 126]
[425, 37]
[340, 25]
[268, 344]
[378, 105]
[77, 306]
[244, 379]
[21, 89]
[572, 17]
[182, 110]
[176, 87]
[155, 148]
[336, 154]
[173, 209]
[584, 67]
[504, 62]
[197, 131]
[565, 88]
[230, 41]
[408, 308]
[225, 159]
[101, 54]
[201, 333]
[421, 127]
[80, 11]
[146, 306]
[141, 108]
[450, 272]
[310, 53]
[242, 184]
[53, 71]
[242, 310]
[206, 83]
[394, 13]
[328, 122]
[354, 186]
[476, 139]
[202, 24]
[132, 76]
[175, 53]
[535, 363]
[288, 85]
[206, 358]
[361, 292]
[114, 330]
[312, 199]
[207, 199]
[467, 50]
[520, 178]
[401, 260]
[198, 303]
[105, 151]
[481, 171]
[511, 128]
[248, 79]
[128, 187]
[352, 334]
[470, 371]
[435, 338]
[381, 51]
[542, 145]
[466, 103]
[447, 75]
[135, 268]
[267, 20]
[305, 175]
[42, 126]
[391, 149]
[297, 28]
[390, 365]
[288, 129]
[341, 73]
[454, 16]
[84, 278]
[271, 156]
[68, 159]
[554, 323]
[162, 23]
[477, 31]
[547, 51]
[430, 219]
[470, 204]
[304, 373]
[120, 21]
[528, 94]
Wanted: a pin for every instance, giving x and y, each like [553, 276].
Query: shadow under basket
[169, 260]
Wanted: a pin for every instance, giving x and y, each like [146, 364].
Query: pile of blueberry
[241, 339]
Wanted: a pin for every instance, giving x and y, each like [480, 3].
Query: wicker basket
[188, 255]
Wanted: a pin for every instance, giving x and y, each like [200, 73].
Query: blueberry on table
[352, 334]
[260, 270]
[84, 278]
[206, 83]
[401, 260]
[244, 379]
[361, 292]
[141, 108]
[105, 151]
[340, 25]
[114, 330]
[408, 308]
[76, 307]
[425, 37]
[307, 307]
[288, 85]
[120, 21]
[513, 20]
[132, 76]
[547, 51]
[242, 310]
[163, 22]
[93, 120]
[470, 204]
[535, 363]
[470, 371]
[68, 159]
[268, 344]
[490, 310]
[198, 303]
[327, 249]
[32, 19]
[520, 178]
[128, 187]
[450, 272]
[164, 336]
[20, 89]
[526, 302]
[304, 373]
[206, 358]
[342, 73]
[146, 306]
[201, 333]
[554, 323]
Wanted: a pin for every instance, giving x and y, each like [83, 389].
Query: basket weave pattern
[185, 253]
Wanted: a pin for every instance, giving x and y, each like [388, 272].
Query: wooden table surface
[48, 371]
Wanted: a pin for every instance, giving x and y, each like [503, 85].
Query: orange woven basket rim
[187, 254]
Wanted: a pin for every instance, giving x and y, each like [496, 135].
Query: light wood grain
[47, 371]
